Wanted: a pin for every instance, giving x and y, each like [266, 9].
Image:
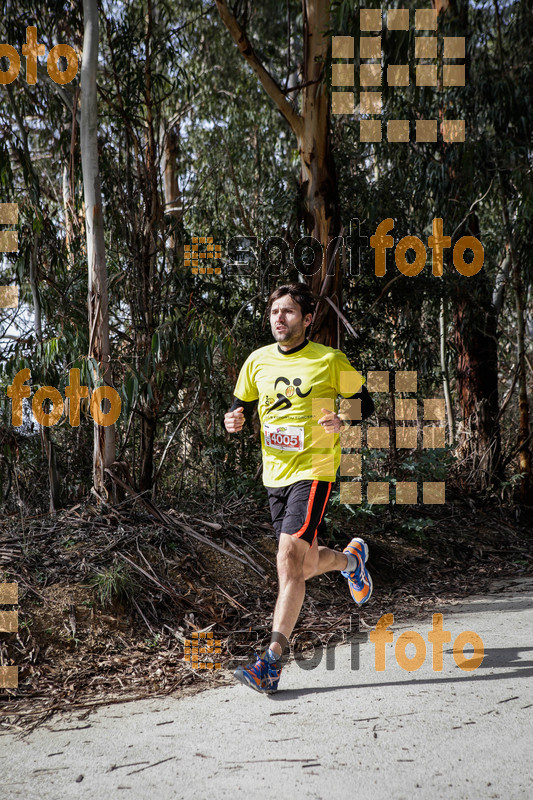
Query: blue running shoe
[261, 676]
[359, 581]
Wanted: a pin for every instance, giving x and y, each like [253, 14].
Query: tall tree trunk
[35, 192]
[476, 344]
[524, 454]
[318, 179]
[443, 335]
[99, 349]
[173, 199]
[475, 320]
[318, 183]
[46, 438]
[477, 379]
[146, 453]
[524, 451]
[150, 295]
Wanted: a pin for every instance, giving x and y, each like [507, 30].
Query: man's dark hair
[299, 292]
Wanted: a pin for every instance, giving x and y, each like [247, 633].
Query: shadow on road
[480, 607]
[500, 658]
[503, 657]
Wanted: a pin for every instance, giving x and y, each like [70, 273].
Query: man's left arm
[340, 366]
[334, 423]
[367, 404]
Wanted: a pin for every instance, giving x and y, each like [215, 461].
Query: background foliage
[178, 339]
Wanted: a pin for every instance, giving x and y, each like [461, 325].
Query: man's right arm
[235, 417]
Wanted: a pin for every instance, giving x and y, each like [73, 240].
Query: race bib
[284, 437]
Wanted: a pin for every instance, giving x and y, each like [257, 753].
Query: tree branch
[300, 86]
[66, 93]
[270, 85]
[237, 193]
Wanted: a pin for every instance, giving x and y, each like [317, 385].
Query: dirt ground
[107, 598]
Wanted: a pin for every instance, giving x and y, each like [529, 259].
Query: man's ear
[307, 320]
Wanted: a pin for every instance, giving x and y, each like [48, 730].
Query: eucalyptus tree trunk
[173, 199]
[524, 435]
[476, 345]
[311, 128]
[35, 193]
[104, 436]
[149, 306]
[46, 438]
[443, 335]
[474, 319]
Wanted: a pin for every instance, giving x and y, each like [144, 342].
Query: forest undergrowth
[108, 596]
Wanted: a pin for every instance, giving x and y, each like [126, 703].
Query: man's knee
[290, 557]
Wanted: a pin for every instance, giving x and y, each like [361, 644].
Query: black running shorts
[298, 509]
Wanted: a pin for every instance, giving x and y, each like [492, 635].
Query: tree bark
[477, 379]
[475, 325]
[173, 199]
[524, 454]
[445, 372]
[524, 446]
[46, 438]
[318, 178]
[149, 300]
[99, 347]
[311, 128]
[476, 344]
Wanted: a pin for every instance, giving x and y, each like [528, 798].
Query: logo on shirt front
[291, 389]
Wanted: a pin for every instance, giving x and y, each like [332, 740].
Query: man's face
[288, 325]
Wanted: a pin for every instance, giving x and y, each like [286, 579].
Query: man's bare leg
[296, 562]
[290, 563]
[325, 560]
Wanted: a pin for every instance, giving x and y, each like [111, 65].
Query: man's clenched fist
[234, 420]
[331, 422]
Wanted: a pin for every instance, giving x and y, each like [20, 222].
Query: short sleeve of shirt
[246, 388]
[345, 379]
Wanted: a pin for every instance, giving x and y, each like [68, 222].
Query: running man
[291, 379]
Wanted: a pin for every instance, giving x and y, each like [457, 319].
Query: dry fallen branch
[179, 525]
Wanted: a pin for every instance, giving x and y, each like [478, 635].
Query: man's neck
[293, 345]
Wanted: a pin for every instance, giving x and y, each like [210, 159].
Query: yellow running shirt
[292, 388]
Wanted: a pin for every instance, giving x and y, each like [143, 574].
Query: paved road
[340, 733]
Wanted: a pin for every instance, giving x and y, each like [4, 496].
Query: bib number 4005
[288, 439]
[284, 440]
